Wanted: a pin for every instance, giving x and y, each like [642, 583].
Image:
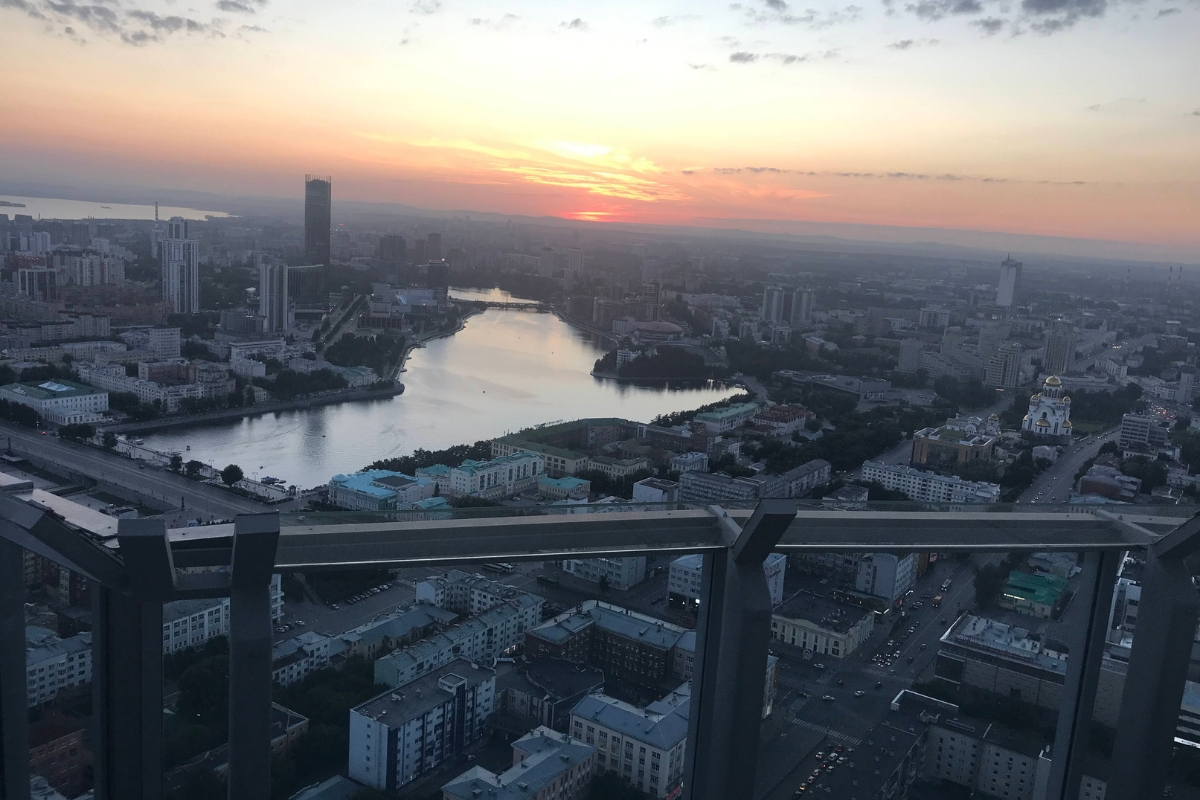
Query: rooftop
[621, 621]
[410, 700]
[1000, 640]
[380, 483]
[662, 724]
[548, 755]
[51, 390]
[826, 612]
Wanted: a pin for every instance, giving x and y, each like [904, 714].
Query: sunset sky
[1077, 118]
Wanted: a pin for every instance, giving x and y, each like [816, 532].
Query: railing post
[1083, 674]
[255, 539]
[127, 695]
[14, 698]
[1158, 664]
[732, 637]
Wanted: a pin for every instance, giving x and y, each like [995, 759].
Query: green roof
[1041, 589]
[729, 411]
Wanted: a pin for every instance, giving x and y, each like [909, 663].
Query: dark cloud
[783, 58]
[743, 57]
[253, 29]
[241, 6]
[1166, 12]
[688, 171]
[908, 44]
[1195, 113]
[574, 25]
[131, 25]
[777, 11]
[931, 10]
[989, 25]
[776, 5]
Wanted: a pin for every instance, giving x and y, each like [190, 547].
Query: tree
[176, 462]
[989, 581]
[1152, 474]
[232, 474]
[110, 440]
[193, 467]
[77, 432]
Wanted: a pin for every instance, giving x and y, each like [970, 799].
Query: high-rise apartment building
[1060, 348]
[1008, 289]
[802, 308]
[273, 297]
[179, 267]
[318, 217]
[393, 250]
[37, 283]
[774, 298]
[433, 247]
[1003, 370]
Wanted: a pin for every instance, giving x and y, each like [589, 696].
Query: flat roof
[824, 611]
[407, 701]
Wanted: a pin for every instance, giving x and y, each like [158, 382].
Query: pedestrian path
[832, 734]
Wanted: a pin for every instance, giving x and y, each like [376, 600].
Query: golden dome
[1034, 398]
[1068, 424]
[1066, 398]
[1025, 418]
[994, 416]
[1041, 423]
[1053, 380]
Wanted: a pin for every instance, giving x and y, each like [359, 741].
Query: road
[198, 499]
[1056, 484]
[800, 725]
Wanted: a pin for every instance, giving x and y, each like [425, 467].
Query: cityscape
[746, 402]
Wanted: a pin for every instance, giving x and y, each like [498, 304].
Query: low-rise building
[705, 487]
[293, 660]
[683, 580]
[191, 623]
[495, 633]
[57, 753]
[541, 693]
[1035, 595]
[618, 468]
[821, 625]
[694, 462]
[564, 488]
[644, 746]
[385, 633]
[781, 420]
[731, 417]
[378, 490]
[468, 594]
[547, 765]
[801, 480]
[498, 477]
[929, 487]
[1110, 482]
[415, 728]
[615, 573]
[655, 490]
[888, 576]
[54, 665]
[955, 443]
[61, 402]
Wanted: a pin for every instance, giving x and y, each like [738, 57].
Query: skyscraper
[433, 250]
[802, 308]
[273, 297]
[393, 250]
[318, 218]
[1010, 283]
[774, 300]
[179, 267]
[1060, 348]
[1003, 370]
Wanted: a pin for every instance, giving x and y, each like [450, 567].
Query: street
[160, 486]
[799, 725]
[1056, 484]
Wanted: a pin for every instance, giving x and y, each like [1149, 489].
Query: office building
[306, 286]
[627, 646]
[547, 765]
[378, 490]
[273, 295]
[911, 352]
[683, 581]
[415, 728]
[690, 462]
[498, 477]
[1049, 411]
[885, 575]
[820, 625]
[318, 218]
[955, 443]
[644, 746]
[614, 573]
[655, 490]
[393, 250]
[1060, 348]
[1142, 430]
[62, 402]
[929, 487]
[1002, 370]
[1009, 288]
[179, 267]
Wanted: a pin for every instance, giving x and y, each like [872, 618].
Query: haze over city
[1063, 118]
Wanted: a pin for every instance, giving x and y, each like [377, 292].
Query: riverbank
[419, 343]
[693, 381]
[167, 423]
[574, 323]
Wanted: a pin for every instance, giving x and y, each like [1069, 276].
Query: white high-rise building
[1010, 283]
[179, 263]
[802, 308]
[273, 297]
[773, 302]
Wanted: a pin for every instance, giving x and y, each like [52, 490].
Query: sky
[1068, 118]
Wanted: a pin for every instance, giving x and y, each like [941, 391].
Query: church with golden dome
[1049, 411]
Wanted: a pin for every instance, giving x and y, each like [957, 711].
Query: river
[504, 371]
[53, 208]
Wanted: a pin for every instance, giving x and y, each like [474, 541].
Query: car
[819, 665]
[910, 659]
[837, 748]
[878, 684]
[841, 760]
[802, 695]
[924, 645]
[891, 672]
[300, 622]
[859, 693]
[841, 682]
[828, 698]
[334, 606]
[820, 755]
